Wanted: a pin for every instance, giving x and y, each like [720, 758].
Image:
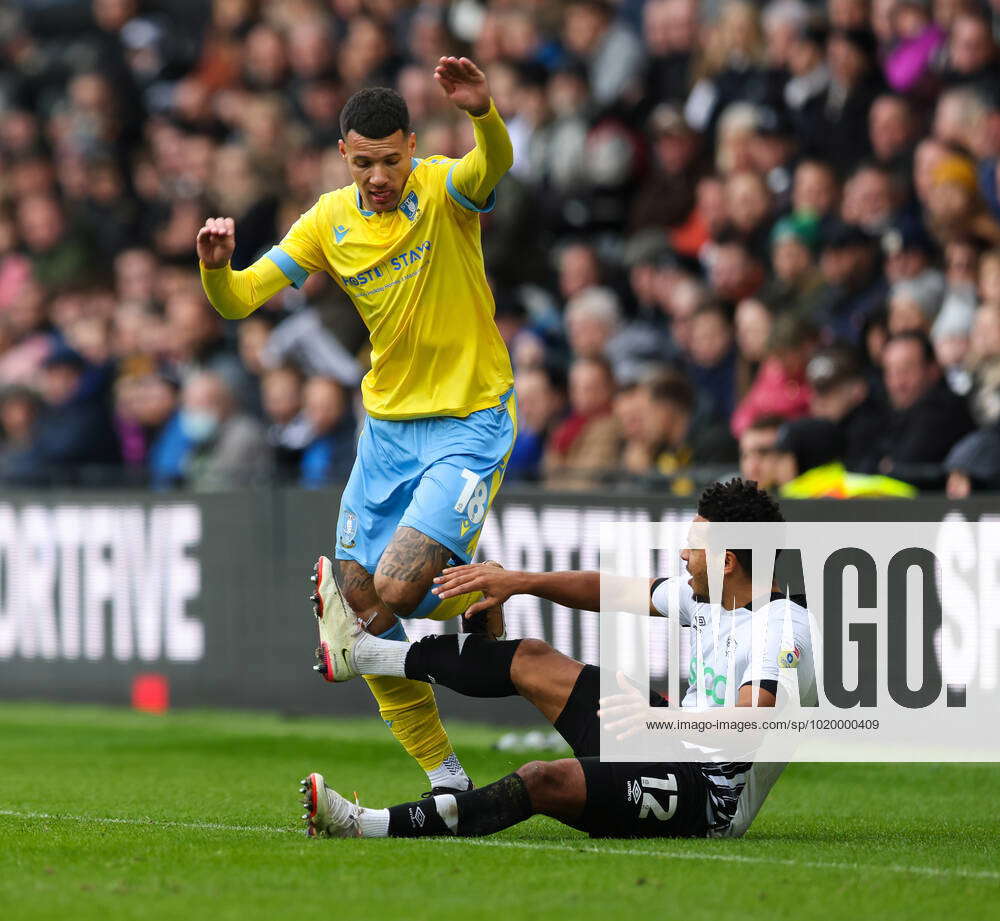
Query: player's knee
[529, 670]
[537, 777]
[545, 782]
[531, 648]
[401, 598]
[529, 658]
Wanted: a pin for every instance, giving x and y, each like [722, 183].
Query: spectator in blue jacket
[329, 456]
[75, 440]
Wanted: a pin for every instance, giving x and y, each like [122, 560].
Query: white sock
[450, 773]
[373, 656]
[374, 823]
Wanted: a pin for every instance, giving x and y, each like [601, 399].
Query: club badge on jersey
[410, 206]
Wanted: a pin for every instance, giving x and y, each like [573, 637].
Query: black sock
[472, 814]
[416, 820]
[468, 663]
[494, 807]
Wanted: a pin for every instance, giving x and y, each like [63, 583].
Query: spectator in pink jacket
[780, 387]
[919, 40]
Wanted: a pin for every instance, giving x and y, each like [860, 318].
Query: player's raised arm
[216, 242]
[473, 178]
[237, 294]
[234, 295]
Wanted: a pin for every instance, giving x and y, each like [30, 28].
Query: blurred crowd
[737, 235]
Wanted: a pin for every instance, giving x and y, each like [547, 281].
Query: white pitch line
[102, 820]
[734, 858]
[543, 846]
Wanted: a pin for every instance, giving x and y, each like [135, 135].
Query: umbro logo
[417, 817]
[340, 231]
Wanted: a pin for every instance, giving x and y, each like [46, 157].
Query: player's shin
[478, 812]
[468, 663]
[410, 711]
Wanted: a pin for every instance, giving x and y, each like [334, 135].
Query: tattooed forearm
[412, 557]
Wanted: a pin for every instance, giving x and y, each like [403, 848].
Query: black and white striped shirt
[728, 650]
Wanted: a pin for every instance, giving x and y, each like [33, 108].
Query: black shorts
[578, 723]
[634, 800]
[630, 799]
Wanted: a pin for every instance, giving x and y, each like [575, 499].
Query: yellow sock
[410, 711]
[409, 708]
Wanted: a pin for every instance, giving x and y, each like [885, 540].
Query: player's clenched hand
[497, 585]
[464, 84]
[216, 241]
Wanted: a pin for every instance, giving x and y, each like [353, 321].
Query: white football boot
[339, 628]
[328, 815]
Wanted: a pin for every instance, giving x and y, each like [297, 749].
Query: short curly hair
[375, 112]
[738, 500]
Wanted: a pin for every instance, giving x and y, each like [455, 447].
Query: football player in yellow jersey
[404, 242]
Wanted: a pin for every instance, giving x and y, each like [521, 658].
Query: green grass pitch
[109, 814]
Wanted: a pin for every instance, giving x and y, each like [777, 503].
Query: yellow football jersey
[416, 276]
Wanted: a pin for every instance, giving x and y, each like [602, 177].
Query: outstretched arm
[571, 589]
[580, 589]
[474, 177]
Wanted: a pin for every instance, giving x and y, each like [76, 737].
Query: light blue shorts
[436, 475]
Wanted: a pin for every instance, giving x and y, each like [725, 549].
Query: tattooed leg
[358, 588]
[407, 569]
[402, 580]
